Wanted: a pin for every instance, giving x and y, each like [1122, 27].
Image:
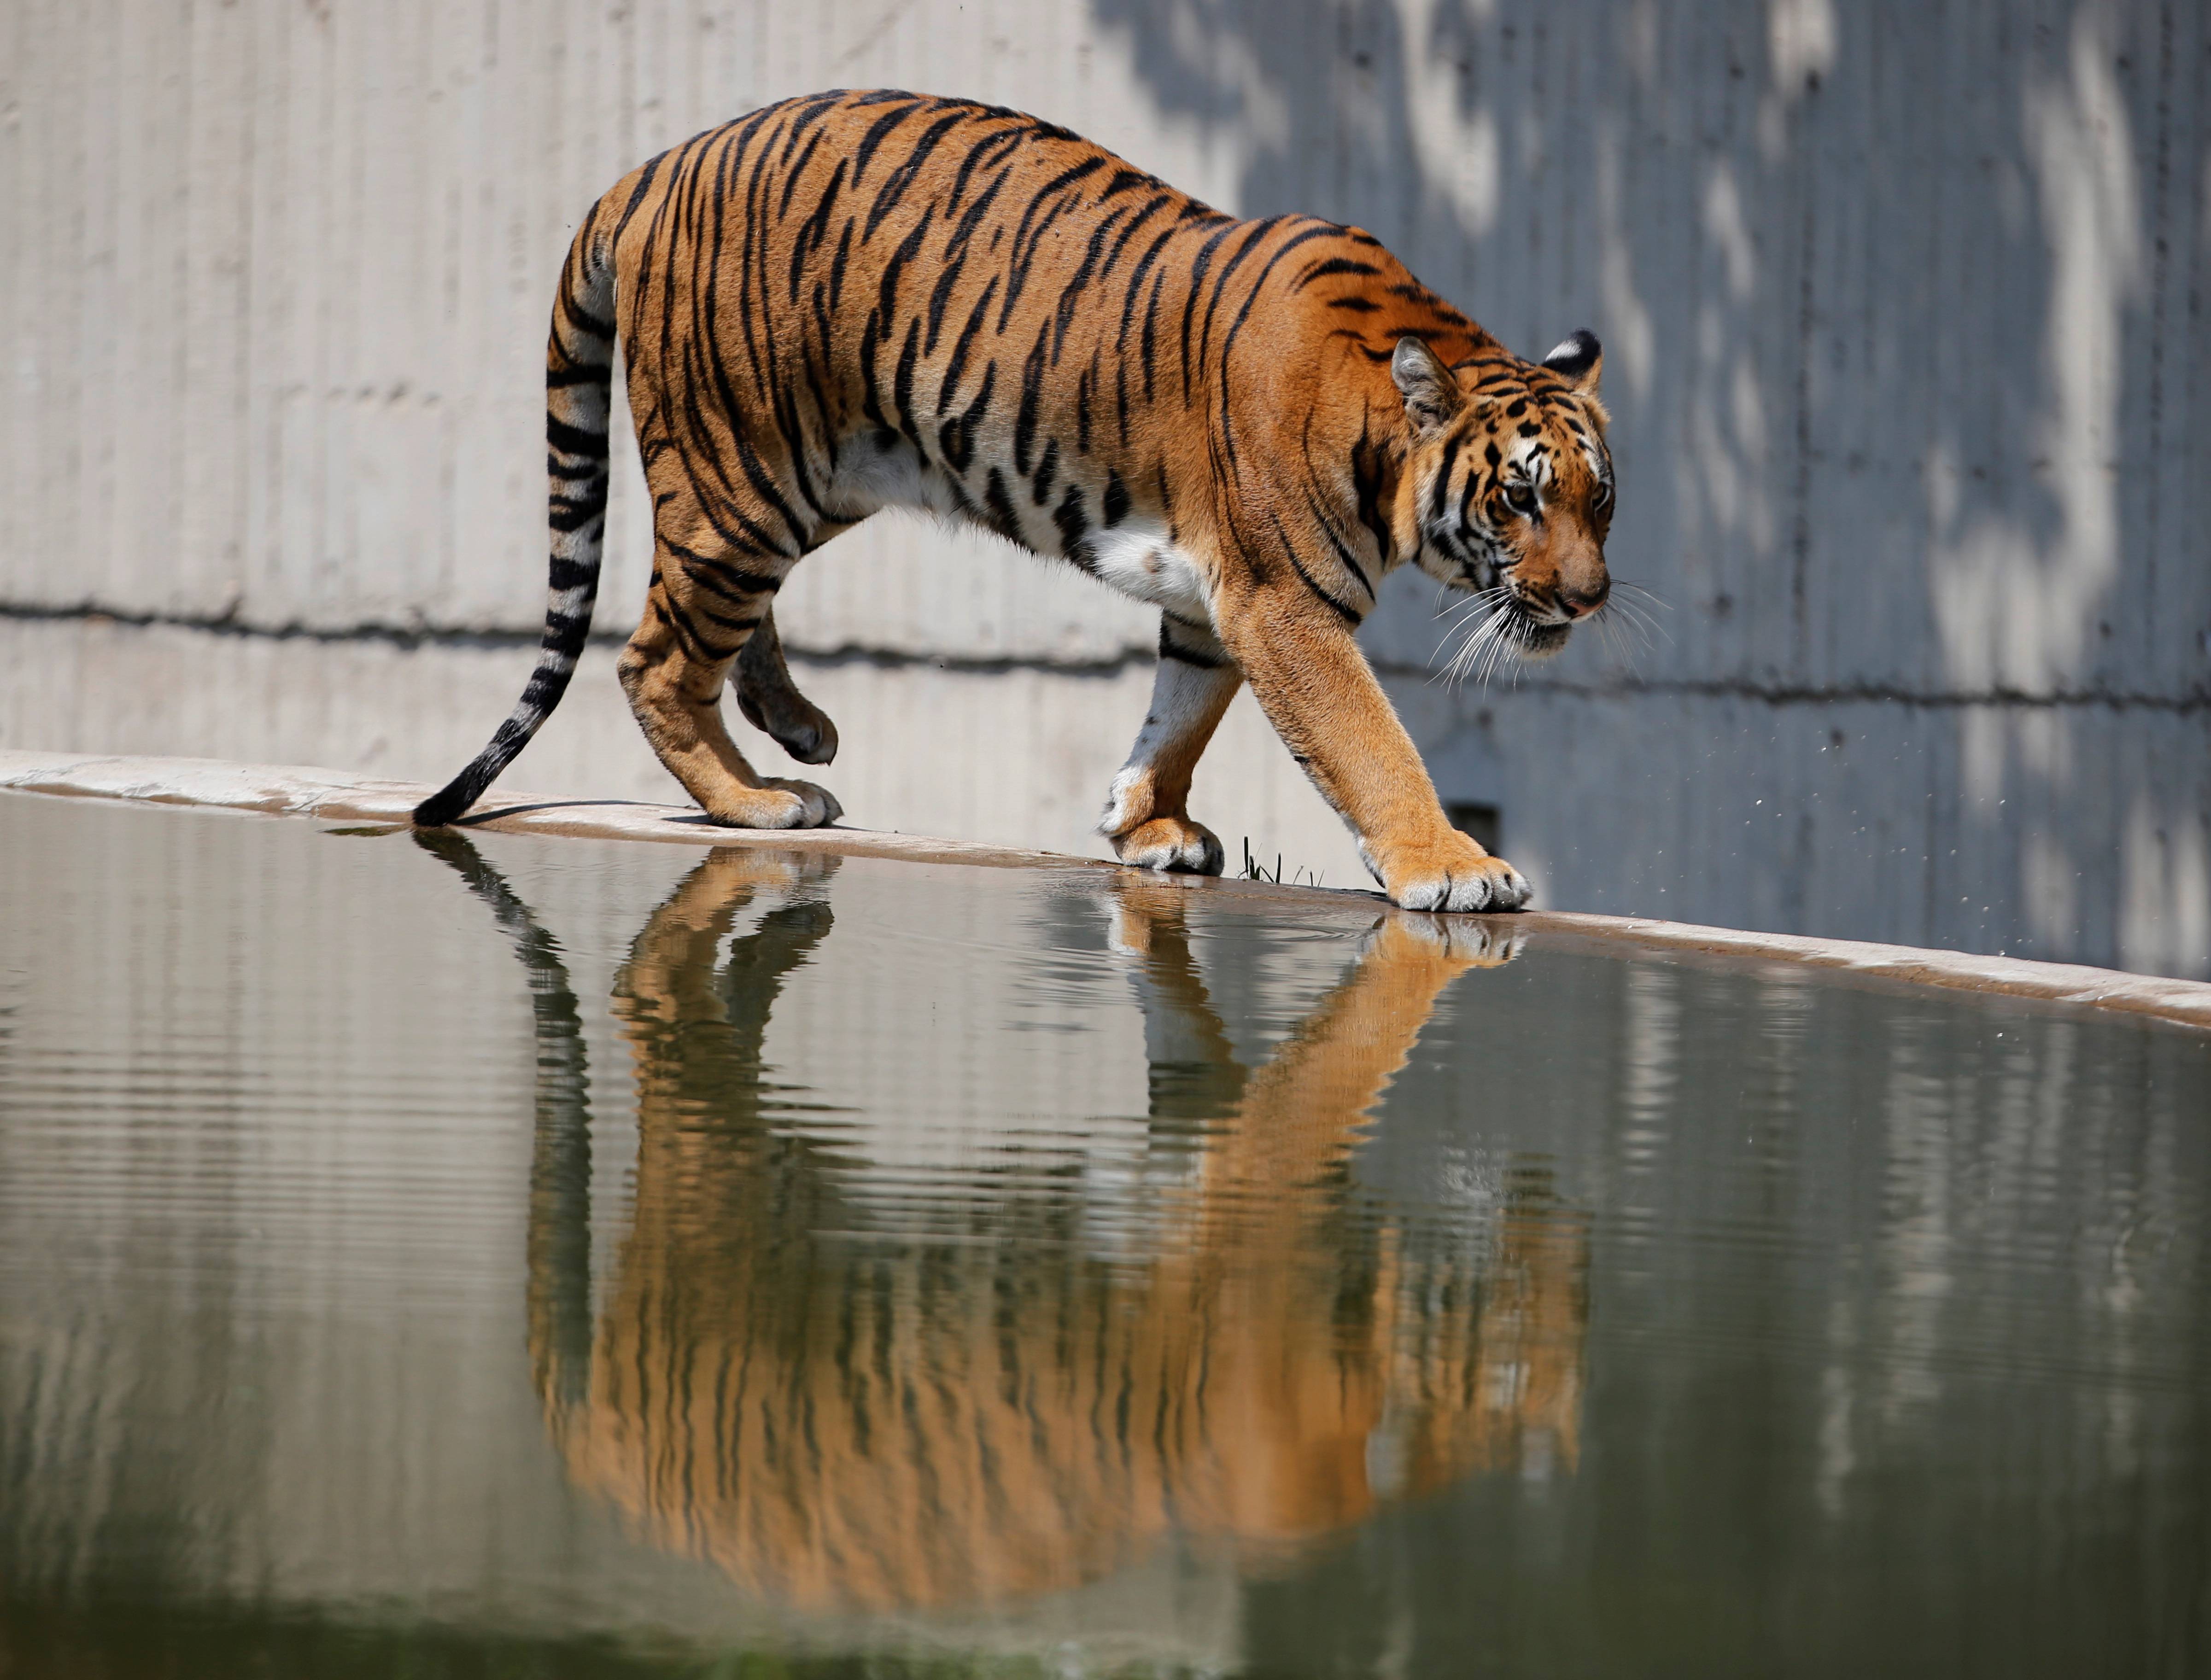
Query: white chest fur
[1137, 558]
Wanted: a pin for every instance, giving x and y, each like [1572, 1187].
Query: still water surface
[498, 1256]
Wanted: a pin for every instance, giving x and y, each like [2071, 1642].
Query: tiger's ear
[1430, 391]
[1580, 359]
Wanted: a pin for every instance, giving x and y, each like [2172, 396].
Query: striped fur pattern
[774, 1379]
[858, 301]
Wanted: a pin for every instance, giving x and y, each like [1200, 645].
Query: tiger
[854, 300]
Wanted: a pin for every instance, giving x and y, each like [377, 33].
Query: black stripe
[1205, 661]
[1443, 476]
[976, 154]
[1306, 577]
[1025, 417]
[723, 577]
[837, 268]
[1258, 285]
[1150, 341]
[1116, 499]
[1334, 265]
[791, 175]
[1198, 266]
[1367, 464]
[958, 366]
[1047, 469]
[902, 178]
[963, 231]
[1342, 554]
[574, 440]
[1002, 518]
[1070, 296]
[902, 383]
[1018, 259]
[565, 514]
[940, 295]
[878, 131]
[1144, 267]
[1144, 214]
[1122, 180]
[1220, 285]
[679, 616]
[726, 621]
[814, 232]
[955, 438]
[886, 309]
[1073, 526]
[583, 321]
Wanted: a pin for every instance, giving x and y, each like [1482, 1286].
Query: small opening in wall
[1479, 820]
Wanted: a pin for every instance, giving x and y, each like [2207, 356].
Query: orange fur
[857, 300]
[835, 1416]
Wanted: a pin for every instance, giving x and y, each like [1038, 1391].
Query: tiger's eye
[1520, 497]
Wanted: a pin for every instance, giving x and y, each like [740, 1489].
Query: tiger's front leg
[1320, 694]
[1147, 815]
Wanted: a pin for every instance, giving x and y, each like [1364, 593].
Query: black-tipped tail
[579, 389]
[450, 802]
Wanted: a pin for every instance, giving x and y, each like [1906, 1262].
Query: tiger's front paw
[1451, 874]
[778, 804]
[1171, 842]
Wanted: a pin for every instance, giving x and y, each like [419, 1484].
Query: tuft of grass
[1254, 870]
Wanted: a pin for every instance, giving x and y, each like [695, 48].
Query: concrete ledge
[287, 791]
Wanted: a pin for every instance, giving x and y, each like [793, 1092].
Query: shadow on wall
[1908, 359]
[792, 1373]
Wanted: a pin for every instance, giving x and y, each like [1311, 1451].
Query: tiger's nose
[1579, 603]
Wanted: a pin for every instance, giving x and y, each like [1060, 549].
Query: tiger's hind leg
[700, 613]
[1147, 815]
[772, 704]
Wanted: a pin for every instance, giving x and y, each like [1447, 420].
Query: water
[526, 1257]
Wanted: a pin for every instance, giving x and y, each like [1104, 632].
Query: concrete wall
[1904, 305]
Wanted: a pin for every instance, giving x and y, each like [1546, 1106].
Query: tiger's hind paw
[807, 736]
[794, 722]
[1171, 842]
[778, 804]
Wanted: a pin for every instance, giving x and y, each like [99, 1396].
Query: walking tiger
[857, 300]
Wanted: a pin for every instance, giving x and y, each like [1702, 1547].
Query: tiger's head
[1513, 483]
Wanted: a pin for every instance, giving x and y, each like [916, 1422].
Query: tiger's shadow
[838, 1418]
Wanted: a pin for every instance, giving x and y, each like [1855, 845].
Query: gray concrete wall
[1904, 305]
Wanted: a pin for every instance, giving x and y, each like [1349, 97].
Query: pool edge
[294, 790]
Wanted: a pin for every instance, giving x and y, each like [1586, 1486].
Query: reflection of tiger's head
[840, 1416]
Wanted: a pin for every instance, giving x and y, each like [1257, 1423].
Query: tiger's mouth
[1539, 640]
[1509, 631]
[1531, 632]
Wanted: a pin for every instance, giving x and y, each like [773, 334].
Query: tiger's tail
[579, 393]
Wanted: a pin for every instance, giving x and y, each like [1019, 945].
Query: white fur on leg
[1185, 697]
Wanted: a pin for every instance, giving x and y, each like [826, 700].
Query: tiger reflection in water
[889, 1424]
